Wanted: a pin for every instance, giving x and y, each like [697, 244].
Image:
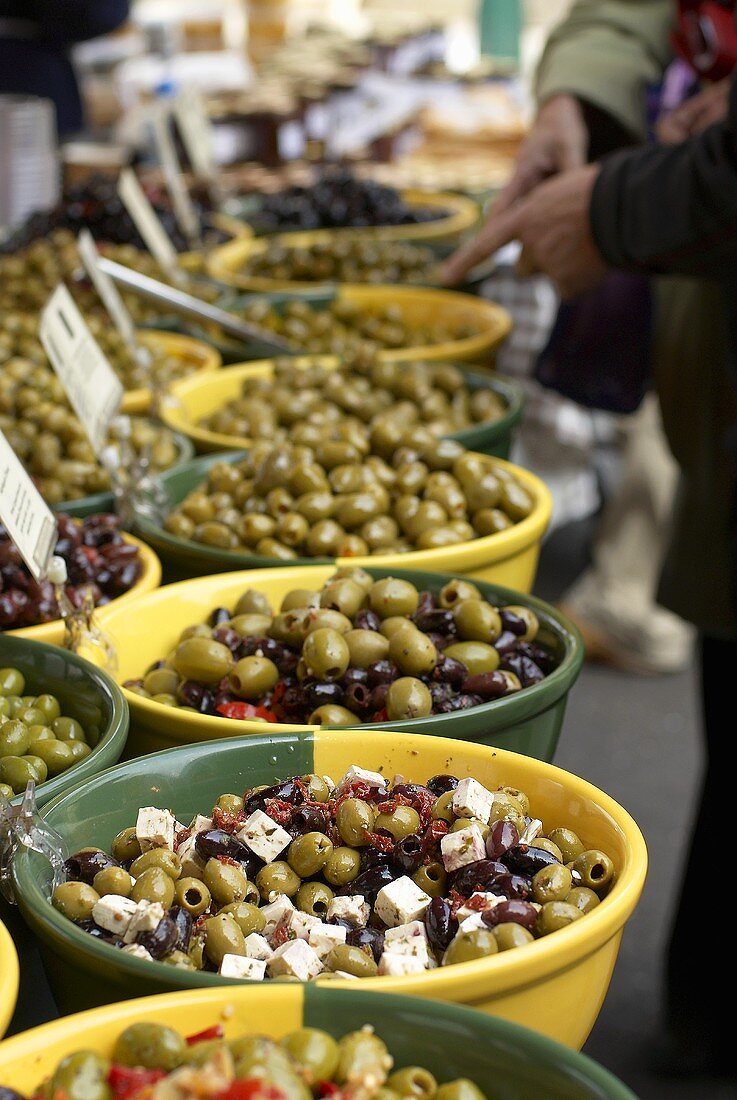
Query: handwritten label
[24, 512]
[184, 210]
[107, 290]
[196, 131]
[148, 225]
[93, 387]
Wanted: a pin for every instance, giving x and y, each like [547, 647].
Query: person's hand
[557, 142]
[692, 117]
[554, 226]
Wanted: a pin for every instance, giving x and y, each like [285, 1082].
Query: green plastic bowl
[528, 722]
[105, 502]
[504, 1060]
[85, 693]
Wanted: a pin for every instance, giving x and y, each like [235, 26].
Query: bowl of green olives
[275, 399]
[300, 1042]
[183, 808]
[304, 647]
[430, 504]
[61, 719]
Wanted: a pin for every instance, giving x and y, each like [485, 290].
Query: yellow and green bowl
[501, 1058]
[198, 356]
[52, 633]
[555, 985]
[85, 693]
[528, 722]
[508, 558]
[9, 978]
[197, 398]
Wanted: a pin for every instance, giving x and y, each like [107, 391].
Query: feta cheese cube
[408, 939]
[113, 912]
[353, 910]
[145, 919]
[201, 824]
[470, 924]
[264, 837]
[324, 937]
[401, 901]
[138, 952]
[354, 773]
[193, 865]
[275, 912]
[344, 974]
[478, 903]
[302, 924]
[465, 846]
[297, 959]
[155, 828]
[257, 947]
[472, 799]
[394, 965]
[238, 966]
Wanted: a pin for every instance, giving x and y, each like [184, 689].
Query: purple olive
[185, 924]
[229, 637]
[382, 672]
[526, 670]
[367, 620]
[354, 676]
[512, 886]
[196, 695]
[514, 912]
[162, 940]
[503, 835]
[435, 621]
[288, 791]
[450, 671]
[506, 642]
[477, 876]
[515, 624]
[83, 866]
[460, 702]
[544, 660]
[319, 694]
[378, 696]
[308, 819]
[219, 616]
[441, 784]
[407, 854]
[441, 693]
[369, 882]
[440, 924]
[358, 697]
[98, 933]
[526, 860]
[372, 938]
[489, 685]
[216, 842]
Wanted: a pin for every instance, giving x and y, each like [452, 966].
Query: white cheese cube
[328, 781]
[324, 937]
[138, 952]
[344, 974]
[478, 903]
[275, 912]
[264, 836]
[408, 939]
[353, 910]
[470, 924]
[394, 965]
[113, 912]
[465, 846]
[472, 799]
[237, 966]
[145, 919]
[201, 824]
[301, 924]
[155, 828]
[257, 947]
[297, 959]
[401, 901]
[354, 773]
[193, 865]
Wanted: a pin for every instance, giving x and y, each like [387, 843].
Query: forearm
[672, 210]
[76, 20]
[606, 53]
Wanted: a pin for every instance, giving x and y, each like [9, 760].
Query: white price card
[28, 519]
[93, 388]
[107, 290]
[196, 132]
[148, 225]
[184, 210]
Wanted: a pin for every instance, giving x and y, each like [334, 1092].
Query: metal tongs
[159, 292]
[23, 827]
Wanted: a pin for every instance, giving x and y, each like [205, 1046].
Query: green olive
[490, 521]
[231, 803]
[154, 885]
[223, 936]
[113, 880]
[413, 652]
[365, 647]
[161, 681]
[56, 755]
[343, 595]
[250, 624]
[342, 866]
[309, 853]
[151, 1046]
[595, 870]
[315, 1052]
[81, 1076]
[126, 845]
[477, 621]
[253, 677]
[552, 883]
[455, 592]
[401, 822]
[555, 915]
[253, 602]
[413, 1081]
[466, 946]
[314, 898]
[352, 960]
[330, 714]
[16, 771]
[247, 915]
[226, 882]
[476, 656]
[317, 788]
[12, 681]
[326, 654]
[529, 618]
[408, 698]
[460, 1089]
[443, 808]
[277, 878]
[202, 659]
[15, 738]
[568, 842]
[583, 898]
[361, 1053]
[75, 900]
[393, 596]
[355, 818]
[192, 895]
[548, 846]
[166, 860]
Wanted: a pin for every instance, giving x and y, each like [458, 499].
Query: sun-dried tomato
[456, 901]
[394, 803]
[423, 802]
[126, 1081]
[281, 934]
[327, 1088]
[228, 822]
[227, 859]
[182, 835]
[251, 1088]
[279, 810]
[380, 841]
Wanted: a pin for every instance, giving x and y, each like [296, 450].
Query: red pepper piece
[126, 1082]
[214, 1032]
[242, 711]
[252, 1088]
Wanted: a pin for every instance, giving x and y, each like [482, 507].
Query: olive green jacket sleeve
[606, 53]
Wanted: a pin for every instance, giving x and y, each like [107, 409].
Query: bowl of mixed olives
[103, 563]
[300, 1043]
[428, 504]
[61, 719]
[303, 647]
[443, 868]
[282, 398]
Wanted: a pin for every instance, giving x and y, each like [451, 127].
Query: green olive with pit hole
[431, 878]
[314, 898]
[326, 654]
[308, 854]
[253, 677]
[594, 869]
[342, 865]
[163, 858]
[408, 698]
[192, 894]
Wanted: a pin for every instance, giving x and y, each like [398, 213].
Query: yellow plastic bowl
[9, 977]
[555, 985]
[194, 261]
[53, 633]
[199, 356]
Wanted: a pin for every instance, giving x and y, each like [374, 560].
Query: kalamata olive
[440, 784]
[308, 819]
[461, 702]
[407, 854]
[367, 620]
[83, 866]
[98, 933]
[354, 676]
[9, 1094]
[219, 615]
[229, 637]
[382, 672]
[525, 669]
[514, 912]
[477, 876]
[503, 835]
[506, 641]
[526, 860]
[512, 886]
[321, 693]
[440, 924]
[440, 641]
[374, 857]
[436, 620]
[369, 882]
[196, 695]
[515, 624]
[450, 671]
[489, 685]
[409, 790]
[544, 660]
[184, 923]
[426, 602]
[216, 842]
[378, 696]
[440, 693]
[288, 791]
[367, 937]
[358, 697]
[162, 940]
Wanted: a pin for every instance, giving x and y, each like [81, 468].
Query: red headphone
[705, 37]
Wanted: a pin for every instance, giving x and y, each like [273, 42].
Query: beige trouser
[616, 595]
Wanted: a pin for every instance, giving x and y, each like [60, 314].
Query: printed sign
[148, 225]
[107, 289]
[27, 517]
